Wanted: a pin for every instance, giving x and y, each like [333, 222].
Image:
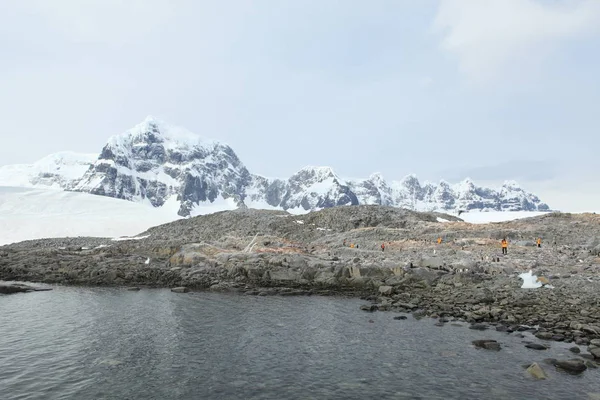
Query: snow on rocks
[130, 238]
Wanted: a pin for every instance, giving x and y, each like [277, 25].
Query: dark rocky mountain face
[168, 166]
[154, 162]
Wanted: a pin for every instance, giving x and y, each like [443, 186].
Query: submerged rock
[487, 344]
[369, 307]
[536, 346]
[181, 289]
[536, 371]
[20, 288]
[479, 327]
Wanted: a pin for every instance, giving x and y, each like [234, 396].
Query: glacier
[33, 213]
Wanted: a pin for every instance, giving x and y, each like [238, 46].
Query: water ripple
[82, 343]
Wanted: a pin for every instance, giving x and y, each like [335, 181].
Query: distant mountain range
[161, 164]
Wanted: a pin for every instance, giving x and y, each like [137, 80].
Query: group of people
[503, 244]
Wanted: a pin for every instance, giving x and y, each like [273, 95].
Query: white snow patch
[298, 221]
[122, 238]
[484, 217]
[260, 205]
[442, 220]
[27, 213]
[530, 281]
[220, 204]
[320, 188]
[298, 211]
[48, 172]
[147, 261]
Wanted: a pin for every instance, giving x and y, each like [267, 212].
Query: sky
[493, 90]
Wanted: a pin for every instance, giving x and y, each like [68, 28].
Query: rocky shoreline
[337, 251]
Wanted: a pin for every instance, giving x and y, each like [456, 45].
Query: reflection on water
[82, 343]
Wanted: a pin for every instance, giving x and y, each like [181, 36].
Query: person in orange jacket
[539, 242]
[504, 246]
[382, 246]
[439, 241]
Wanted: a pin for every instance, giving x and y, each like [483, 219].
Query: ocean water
[107, 343]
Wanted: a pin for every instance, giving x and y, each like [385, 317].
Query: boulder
[544, 335]
[422, 275]
[595, 351]
[386, 290]
[573, 366]
[395, 280]
[283, 274]
[430, 262]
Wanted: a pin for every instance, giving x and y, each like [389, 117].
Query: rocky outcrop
[337, 250]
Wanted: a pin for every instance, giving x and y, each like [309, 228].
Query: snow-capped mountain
[158, 163]
[309, 189]
[57, 171]
[154, 161]
[374, 190]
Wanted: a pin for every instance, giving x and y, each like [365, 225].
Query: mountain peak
[154, 130]
[464, 186]
[319, 172]
[376, 177]
[411, 180]
[510, 184]
[150, 119]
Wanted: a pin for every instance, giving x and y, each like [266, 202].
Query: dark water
[74, 343]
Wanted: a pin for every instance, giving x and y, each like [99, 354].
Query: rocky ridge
[158, 163]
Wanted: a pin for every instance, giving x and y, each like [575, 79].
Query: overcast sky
[490, 89]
